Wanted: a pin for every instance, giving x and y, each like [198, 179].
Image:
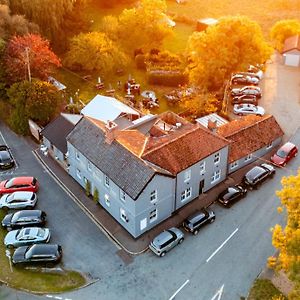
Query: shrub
[168, 78]
[140, 61]
[87, 188]
[96, 195]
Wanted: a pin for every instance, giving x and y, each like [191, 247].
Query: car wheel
[240, 114]
[284, 164]
[5, 208]
[163, 254]
[27, 207]
[195, 232]
[181, 240]
[296, 154]
[10, 246]
[49, 265]
[212, 220]
[8, 228]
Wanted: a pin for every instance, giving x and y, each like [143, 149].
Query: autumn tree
[287, 240]
[31, 49]
[95, 52]
[2, 70]
[229, 46]
[282, 30]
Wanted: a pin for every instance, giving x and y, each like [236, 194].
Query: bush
[87, 188]
[140, 61]
[168, 78]
[96, 195]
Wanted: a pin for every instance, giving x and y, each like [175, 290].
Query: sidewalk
[111, 227]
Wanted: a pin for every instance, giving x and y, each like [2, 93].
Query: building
[291, 51]
[203, 24]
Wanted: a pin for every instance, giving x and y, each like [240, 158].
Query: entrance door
[201, 186]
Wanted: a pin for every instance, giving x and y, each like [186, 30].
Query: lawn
[36, 280]
[263, 289]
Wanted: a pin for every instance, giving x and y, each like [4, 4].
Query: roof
[123, 167]
[105, 109]
[249, 134]
[212, 117]
[57, 131]
[208, 21]
[73, 118]
[291, 43]
[56, 83]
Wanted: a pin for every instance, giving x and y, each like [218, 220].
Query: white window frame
[153, 196]
[217, 158]
[202, 168]
[269, 146]
[78, 173]
[77, 155]
[123, 215]
[187, 175]
[186, 194]
[234, 165]
[89, 166]
[143, 224]
[107, 181]
[153, 215]
[248, 157]
[106, 199]
[216, 176]
[122, 195]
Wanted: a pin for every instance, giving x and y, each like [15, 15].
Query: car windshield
[40, 232]
[10, 198]
[29, 252]
[10, 183]
[281, 153]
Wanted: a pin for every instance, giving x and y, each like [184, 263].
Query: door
[201, 186]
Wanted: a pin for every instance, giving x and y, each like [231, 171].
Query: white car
[27, 236]
[18, 200]
[248, 109]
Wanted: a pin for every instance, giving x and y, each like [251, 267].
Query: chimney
[212, 125]
[110, 131]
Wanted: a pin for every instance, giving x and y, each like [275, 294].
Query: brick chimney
[110, 131]
[212, 125]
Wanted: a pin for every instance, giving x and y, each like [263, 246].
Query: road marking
[218, 294]
[3, 138]
[216, 251]
[58, 298]
[49, 296]
[173, 296]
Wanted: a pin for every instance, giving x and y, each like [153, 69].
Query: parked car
[258, 76]
[16, 184]
[24, 218]
[195, 221]
[246, 90]
[18, 200]
[26, 237]
[166, 240]
[39, 253]
[6, 158]
[284, 154]
[256, 70]
[247, 99]
[258, 174]
[231, 195]
[248, 109]
[244, 79]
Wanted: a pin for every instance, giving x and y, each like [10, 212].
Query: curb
[84, 208]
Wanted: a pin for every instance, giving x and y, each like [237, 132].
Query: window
[153, 215]
[217, 158]
[107, 201]
[270, 145]
[202, 168]
[153, 196]
[234, 165]
[216, 176]
[143, 224]
[122, 195]
[249, 156]
[106, 181]
[89, 166]
[123, 215]
[77, 155]
[187, 175]
[78, 173]
[186, 194]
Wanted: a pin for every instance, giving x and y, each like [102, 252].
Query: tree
[95, 52]
[282, 30]
[33, 50]
[287, 240]
[229, 46]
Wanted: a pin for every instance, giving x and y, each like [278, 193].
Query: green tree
[229, 46]
[282, 30]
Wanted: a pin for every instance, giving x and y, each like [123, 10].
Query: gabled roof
[291, 43]
[123, 167]
[105, 109]
[249, 134]
[57, 131]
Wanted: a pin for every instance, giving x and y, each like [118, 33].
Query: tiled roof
[248, 134]
[180, 150]
[291, 43]
[124, 168]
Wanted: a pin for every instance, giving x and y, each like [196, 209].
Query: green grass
[263, 289]
[36, 280]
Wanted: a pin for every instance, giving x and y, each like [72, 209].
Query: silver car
[248, 109]
[166, 240]
[18, 200]
[27, 236]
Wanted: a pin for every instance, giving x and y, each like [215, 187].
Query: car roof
[44, 249]
[31, 231]
[287, 146]
[22, 195]
[197, 216]
[255, 171]
[24, 180]
[28, 213]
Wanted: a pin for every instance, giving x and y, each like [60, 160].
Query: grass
[36, 280]
[263, 289]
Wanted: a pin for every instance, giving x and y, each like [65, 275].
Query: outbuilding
[291, 51]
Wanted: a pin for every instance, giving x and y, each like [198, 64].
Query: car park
[6, 158]
[26, 237]
[231, 195]
[198, 219]
[245, 99]
[24, 218]
[248, 109]
[258, 174]
[166, 240]
[18, 200]
[37, 254]
[15, 184]
[284, 154]
[246, 90]
[244, 79]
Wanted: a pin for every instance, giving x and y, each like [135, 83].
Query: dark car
[248, 99]
[284, 154]
[195, 221]
[246, 90]
[24, 218]
[231, 195]
[6, 158]
[258, 174]
[39, 253]
[244, 79]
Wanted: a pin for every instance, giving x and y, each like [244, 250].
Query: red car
[284, 154]
[16, 184]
